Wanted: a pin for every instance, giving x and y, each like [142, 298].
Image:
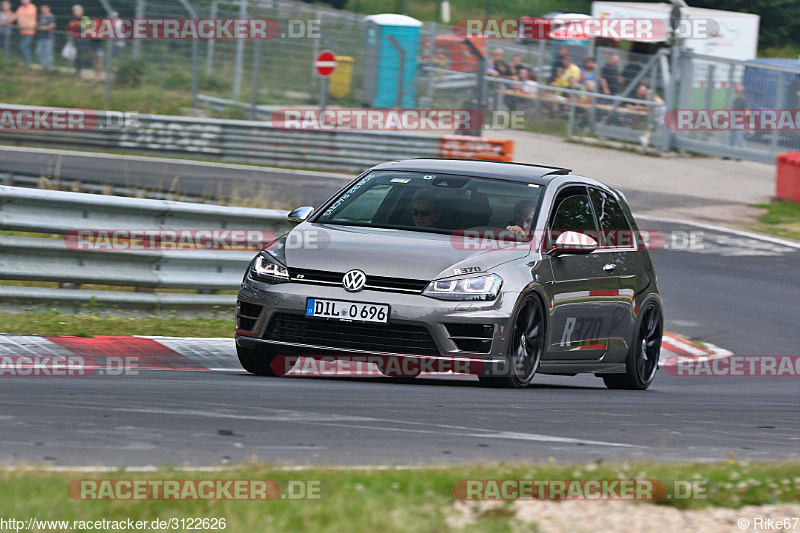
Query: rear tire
[641, 364]
[259, 361]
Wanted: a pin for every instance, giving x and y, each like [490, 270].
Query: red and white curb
[673, 344]
[105, 353]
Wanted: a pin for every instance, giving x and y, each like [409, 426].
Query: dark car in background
[527, 269]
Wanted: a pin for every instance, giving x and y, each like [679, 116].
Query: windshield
[439, 203]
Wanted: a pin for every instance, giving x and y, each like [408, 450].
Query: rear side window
[616, 230]
[573, 212]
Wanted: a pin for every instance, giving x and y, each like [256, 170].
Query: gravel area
[630, 517]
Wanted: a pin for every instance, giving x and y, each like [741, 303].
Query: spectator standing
[590, 87]
[117, 44]
[25, 17]
[517, 65]
[739, 104]
[631, 70]
[6, 20]
[498, 67]
[528, 79]
[642, 93]
[79, 28]
[610, 80]
[589, 73]
[572, 72]
[45, 43]
[558, 63]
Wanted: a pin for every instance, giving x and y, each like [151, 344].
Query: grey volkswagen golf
[522, 269]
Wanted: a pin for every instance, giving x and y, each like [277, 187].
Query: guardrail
[235, 141]
[52, 260]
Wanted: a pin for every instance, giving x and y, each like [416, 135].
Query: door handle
[610, 267]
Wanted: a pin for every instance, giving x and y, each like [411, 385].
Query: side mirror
[572, 242]
[300, 214]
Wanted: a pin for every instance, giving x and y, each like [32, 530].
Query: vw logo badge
[354, 281]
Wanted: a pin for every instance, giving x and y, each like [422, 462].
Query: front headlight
[266, 270]
[475, 288]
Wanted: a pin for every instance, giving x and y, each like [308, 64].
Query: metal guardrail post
[211, 42]
[779, 104]
[107, 85]
[137, 44]
[317, 38]
[571, 120]
[540, 61]
[237, 69]
[480, 89]
[195, 52]
[671, 95]
[730, 91]
[106, 6]
[708, 97]
[254, 87]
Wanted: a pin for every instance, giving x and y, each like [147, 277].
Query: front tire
[641, 363]
[259, 361]
[525, 347]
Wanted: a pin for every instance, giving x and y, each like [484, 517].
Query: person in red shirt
[79, 30]
[25, 17]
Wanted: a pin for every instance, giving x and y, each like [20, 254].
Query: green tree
[780, 19]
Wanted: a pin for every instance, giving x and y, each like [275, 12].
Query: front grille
[378, 283]
[476, 338]
[392, 338]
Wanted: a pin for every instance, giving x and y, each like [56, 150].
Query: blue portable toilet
[382, 66]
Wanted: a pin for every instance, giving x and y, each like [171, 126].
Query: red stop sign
[325, 63]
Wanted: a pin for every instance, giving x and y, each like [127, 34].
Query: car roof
[539, 174]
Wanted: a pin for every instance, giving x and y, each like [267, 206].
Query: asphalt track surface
[213, 181]
[734, 291]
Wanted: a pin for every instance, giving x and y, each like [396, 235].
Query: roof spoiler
[556, 170]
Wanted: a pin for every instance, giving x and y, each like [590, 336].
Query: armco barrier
[242, 141]
[55, 212]
[788, 177]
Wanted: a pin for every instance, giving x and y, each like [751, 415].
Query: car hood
[387, 252]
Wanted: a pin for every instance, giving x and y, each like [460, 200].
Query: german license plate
[342, 310]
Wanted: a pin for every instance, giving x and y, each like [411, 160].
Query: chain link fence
[251, 78]
[709, 83]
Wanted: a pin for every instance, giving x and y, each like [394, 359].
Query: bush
[178, 79]
[213, 83]
[131, 73]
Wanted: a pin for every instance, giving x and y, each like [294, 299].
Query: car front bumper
[437, 317]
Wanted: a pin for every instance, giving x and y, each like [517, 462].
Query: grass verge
[782, 219]
[87, 325]
[356, 500]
